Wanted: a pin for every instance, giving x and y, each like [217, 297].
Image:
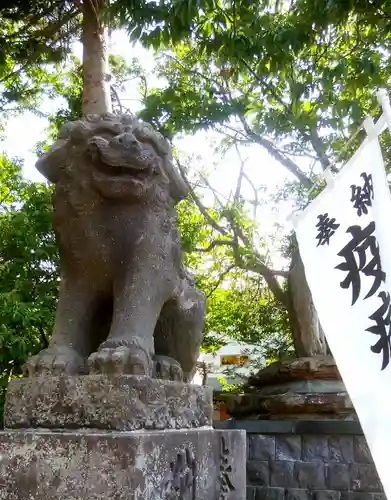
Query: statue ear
[51, 162]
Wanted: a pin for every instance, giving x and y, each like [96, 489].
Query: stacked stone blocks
[311, 467]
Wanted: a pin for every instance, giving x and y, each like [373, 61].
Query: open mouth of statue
[121, 171]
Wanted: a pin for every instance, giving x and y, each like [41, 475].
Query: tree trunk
[308, 336]
[96, 77]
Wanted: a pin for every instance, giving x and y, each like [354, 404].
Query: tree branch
[216, 194]
[240, 176]
[45, 341]
[216, 243]
[116, 97]
[256, 265]
[270, 147]
[312, 137]
[233, 244]
[290, 165]
[194, 72]
[220, 280]
[318, 146]
[256, 199]
[197, 201]
[269, 275]
[47, 32]
[282, 273]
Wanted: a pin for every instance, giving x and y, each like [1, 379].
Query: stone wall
[308, 461]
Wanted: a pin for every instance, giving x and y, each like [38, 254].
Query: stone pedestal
[121, 438]
[122, 403]
[302, 389]
[198, 464]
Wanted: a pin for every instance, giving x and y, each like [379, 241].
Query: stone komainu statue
[126, 303]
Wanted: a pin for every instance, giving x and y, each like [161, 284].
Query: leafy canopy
[29, 274]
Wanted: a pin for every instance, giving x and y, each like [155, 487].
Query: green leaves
[295, 81]
[29, 273]
[34, 37]
[286, 72]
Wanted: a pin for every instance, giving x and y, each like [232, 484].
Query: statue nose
[127, 140]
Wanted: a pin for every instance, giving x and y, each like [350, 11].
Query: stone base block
[202, 464]
[122, 403]
[296, 389]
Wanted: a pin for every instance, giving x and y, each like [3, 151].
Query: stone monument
[107, 410]
[295, 389]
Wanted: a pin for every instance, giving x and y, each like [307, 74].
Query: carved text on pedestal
[226, 485]
[180, 483]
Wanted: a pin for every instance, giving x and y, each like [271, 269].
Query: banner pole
[369, 127]
[384, 101]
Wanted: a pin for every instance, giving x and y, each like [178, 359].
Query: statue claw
[55, 360]
[130, 360]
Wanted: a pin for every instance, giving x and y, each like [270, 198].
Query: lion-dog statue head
[120, 157]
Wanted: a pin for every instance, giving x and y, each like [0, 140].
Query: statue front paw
[55, 360]
[167, 368]
[123, 359]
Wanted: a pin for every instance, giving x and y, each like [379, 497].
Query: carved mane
[95, 128]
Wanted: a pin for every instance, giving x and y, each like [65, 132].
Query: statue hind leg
[178, 333]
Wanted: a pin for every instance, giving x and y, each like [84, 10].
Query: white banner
[344, 238]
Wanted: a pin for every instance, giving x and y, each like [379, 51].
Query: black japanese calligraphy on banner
[362, 196]
[382, 328]
[361, 256]
[326, 228]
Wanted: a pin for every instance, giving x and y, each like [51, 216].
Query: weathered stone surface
[281, 474]
[157, 465]
[338, 476]
[326, 495]
[250, 493]
[297, 494]
[126, 303]
[315, 448]
[288, 447]
[258, 472]
[326, 462]
[296, 389]
[364, 477]
[303, 387]
[354, 495]
[310, 475]
[261, 447]
[291, 405]
[269, 493]
[126, 402]
[313, 368]
[341, 449]
[362, 453]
